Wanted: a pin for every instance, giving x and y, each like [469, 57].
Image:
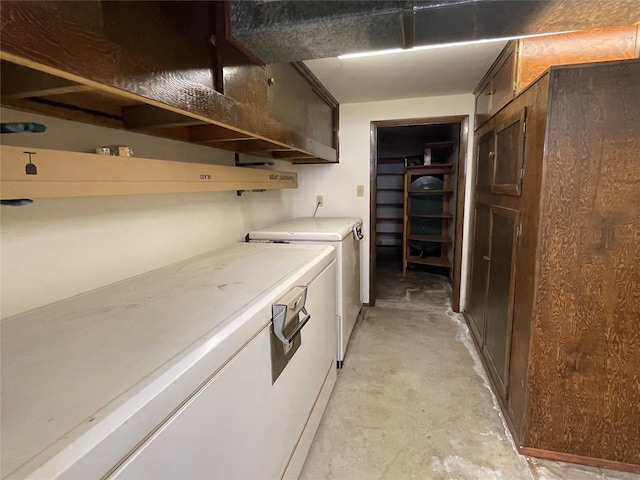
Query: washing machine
[344, 234]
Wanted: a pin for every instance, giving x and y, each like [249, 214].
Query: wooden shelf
[389, 189]
[390, 204]
[163, 86]
[444, 216]
[389, 219]
[71, 174]
[434, 230]
[431, 238]
[433, 169]
[449, 145]
[430, 192]
[434, 261]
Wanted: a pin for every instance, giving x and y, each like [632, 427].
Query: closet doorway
[417, 197]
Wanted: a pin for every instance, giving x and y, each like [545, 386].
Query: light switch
[360, 191]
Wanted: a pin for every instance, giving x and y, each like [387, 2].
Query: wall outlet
[360, 191]
[320, 200]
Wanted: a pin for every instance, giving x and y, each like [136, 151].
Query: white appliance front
[344, 234]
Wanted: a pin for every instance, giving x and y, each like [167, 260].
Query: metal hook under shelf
[16, 202]
[240, 192]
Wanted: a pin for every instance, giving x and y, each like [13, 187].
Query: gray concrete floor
[413, 402]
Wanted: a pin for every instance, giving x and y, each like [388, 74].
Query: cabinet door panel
[486, 152]
[292, 101]
[509, 156]
[502, 82]
[479, 271]
[500, 290]
[483, 103]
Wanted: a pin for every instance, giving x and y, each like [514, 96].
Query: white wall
[56, 248]
[338, 183]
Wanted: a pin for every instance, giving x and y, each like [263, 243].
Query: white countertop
[76, 373]
[319, 229]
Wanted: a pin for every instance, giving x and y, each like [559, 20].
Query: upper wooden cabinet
[524, 60]
[294, 101]
[497, 87]
[163, 68]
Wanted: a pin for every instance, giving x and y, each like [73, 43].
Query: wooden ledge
[72, 174]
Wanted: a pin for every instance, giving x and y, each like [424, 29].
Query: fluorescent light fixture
[442, 45]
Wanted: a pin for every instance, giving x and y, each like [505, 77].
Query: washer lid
[319, 229]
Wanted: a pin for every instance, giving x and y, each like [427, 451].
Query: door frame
[463, 143]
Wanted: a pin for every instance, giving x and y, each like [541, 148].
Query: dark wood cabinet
[497, 88]
[293, 101]
[552, 302]
[525, 59]
[486, 151]
[500, 156]
[508, 159]
[503, 80]
[490, 310]
[483, 101]
[476, 309]
[123, 65]
[503, 244]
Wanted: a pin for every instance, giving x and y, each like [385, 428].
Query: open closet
[417, 196]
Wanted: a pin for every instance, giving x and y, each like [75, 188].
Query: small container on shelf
[115, 150]
[427, 155]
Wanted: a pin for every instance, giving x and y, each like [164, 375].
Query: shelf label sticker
[282, 178]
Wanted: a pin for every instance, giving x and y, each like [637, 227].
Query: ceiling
[317, 31]
[410, 74]
[292, 30]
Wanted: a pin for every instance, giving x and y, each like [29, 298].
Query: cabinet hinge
[524, 128]
[519, 231]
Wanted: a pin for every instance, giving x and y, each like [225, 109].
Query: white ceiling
[411, 74]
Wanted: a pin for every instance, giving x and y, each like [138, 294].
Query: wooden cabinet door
[500, 292]
[476, 306]
[292, 101]
[503, 81]
[508, 161]
[483, 103]
[486, 152]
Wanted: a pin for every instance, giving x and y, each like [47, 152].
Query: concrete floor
[413, 402]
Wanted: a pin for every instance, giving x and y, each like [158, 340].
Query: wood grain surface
[535, 101]
[508, 158]
[71, 174]
[85, 43]
[585, 353]
[502, 91]
[539, 53]
[485, 151]
[292, 100]
[476, 308]
[503, 248]
[574, 388]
